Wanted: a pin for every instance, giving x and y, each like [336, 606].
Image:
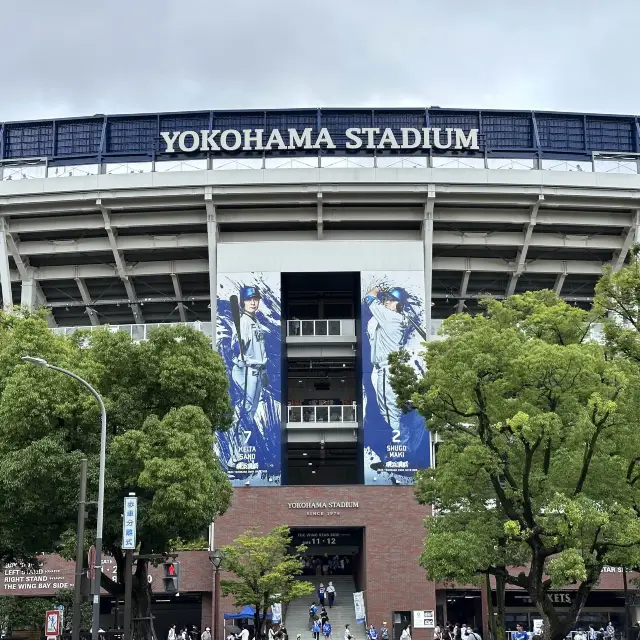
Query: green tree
[539, 449]
[617, 300]
[265, 569]
[165, 399]
[20, 612]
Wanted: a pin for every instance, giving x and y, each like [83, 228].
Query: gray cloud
[79, 57]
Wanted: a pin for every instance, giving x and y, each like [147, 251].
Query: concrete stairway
[297, 617]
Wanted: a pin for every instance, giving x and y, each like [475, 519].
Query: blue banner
[249, 340]
[396, 444]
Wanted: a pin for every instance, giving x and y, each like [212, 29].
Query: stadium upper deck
[104, 223]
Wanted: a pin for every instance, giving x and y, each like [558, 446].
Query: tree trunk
[500, 608]
[490, 612]
[141, 603]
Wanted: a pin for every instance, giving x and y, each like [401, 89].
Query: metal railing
[137, 332]
[322, 413]
[310, 328]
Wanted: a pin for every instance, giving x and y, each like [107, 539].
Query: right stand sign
[396, 444]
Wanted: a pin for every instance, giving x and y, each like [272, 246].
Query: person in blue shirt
[315, 629]
[520, 633]
[326, 630]
[372, 634]
[313, 611]
[321, 591]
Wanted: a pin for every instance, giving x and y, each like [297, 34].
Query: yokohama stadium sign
[353, 139]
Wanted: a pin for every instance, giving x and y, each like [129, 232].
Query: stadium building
[308, 244]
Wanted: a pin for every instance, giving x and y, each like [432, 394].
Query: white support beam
[463, 290]
[320, 222]
[557, 287]
[178, 291]
[427, 247]
[32, 295]
[630, 238]
[5, 274]
[522, 252]
[86, 299]
[212, 266]
[120, 264]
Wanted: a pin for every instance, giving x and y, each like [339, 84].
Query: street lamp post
[95, 623]
[216, 558]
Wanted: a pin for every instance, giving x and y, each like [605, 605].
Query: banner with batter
[396, 443]
[249, 340]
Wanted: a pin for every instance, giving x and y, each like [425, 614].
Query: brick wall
[57, 573]
[393, 534]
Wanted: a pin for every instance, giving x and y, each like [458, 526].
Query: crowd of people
[465, 632]
[327, 566]
[456, 632]
[189, 633]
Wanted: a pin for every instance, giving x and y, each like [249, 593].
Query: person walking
[384, 631]
[172, 633]
[326, 629]
[473, 634]
[206, 634]
[372, 634]
[610, 631]
[313, 612]
[331, 594]
[347, 633]
[321, 591]
[315, 629]
[406, 634]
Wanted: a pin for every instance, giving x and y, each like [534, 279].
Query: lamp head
[216, 558]
[41, 362]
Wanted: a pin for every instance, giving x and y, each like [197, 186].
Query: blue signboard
[249, 341]
[423, 131]
[396, 444]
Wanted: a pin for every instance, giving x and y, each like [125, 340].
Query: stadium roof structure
[138, 236]
[137, 137]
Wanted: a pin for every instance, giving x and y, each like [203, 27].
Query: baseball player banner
[249, 340]
[396, 443]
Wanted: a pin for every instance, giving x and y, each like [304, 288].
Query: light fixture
[304, 453]
[313, 472]
[41, 362]
[311, 464]
[216, 558]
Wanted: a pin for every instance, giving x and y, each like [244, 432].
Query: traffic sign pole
[129, 522]
[77, 587]
[128, 587]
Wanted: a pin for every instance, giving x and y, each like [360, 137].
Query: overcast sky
[65, 58]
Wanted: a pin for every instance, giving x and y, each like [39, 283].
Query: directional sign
[129, 522]
[52, 624]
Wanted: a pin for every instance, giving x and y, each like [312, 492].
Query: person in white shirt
[244, 634]
[406, 634]
[172, 633]
[347, 633]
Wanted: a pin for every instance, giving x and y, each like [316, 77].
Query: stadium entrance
[330, 552]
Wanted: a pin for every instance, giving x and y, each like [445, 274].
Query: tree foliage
[18, 612]
[165, 399]
[538, 462]
[265, 570]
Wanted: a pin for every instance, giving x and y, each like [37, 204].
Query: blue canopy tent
[247, 612]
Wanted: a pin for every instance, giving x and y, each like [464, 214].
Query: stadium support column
[29, 294]
[522, 253]
[5, 276]
[212, 243]
[427, 245]
[630, 237]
